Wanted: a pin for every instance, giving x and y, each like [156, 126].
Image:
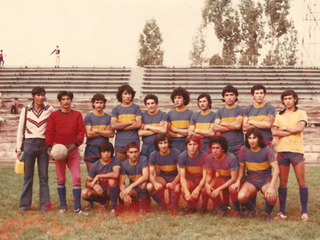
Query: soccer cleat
[189, 210]
[221, 213]
[280, 216]
[63, 209]
[304, 217]
[114, 212]
[236, 215]
[203, 210]
[268, 217]
[101, 208]
[251, 214]
[89, 207]
[79, 211]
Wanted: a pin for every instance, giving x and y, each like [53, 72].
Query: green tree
[150, 52]
[252, 31]
[198, 47]
[226, 26]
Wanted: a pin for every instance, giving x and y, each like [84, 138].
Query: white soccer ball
[59, 152]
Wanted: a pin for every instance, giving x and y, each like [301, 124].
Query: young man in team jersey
[179, 118]
[164, 157]
[201, 123]
[154, 121]
[288, 127]
[192, 174]
[136, 168]
[226, 165]
[126, 119]
[259, 160]
[102, 181]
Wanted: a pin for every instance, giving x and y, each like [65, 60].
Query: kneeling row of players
[216, 176]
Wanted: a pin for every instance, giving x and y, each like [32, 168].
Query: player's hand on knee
[158, 186]
[195, 194]
[170, 185]
[98, 188]
[127, 200]
[270, 195]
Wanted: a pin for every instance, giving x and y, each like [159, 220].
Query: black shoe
[251, 214]
[203, 210]
[189, 210]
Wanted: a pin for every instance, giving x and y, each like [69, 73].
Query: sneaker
[222, 213]
[174, 211]
[79, 211]
[189, 210]
[268, 217]
[304, 217]
[101, 208]
[63, 209]
[280, 216]
[236, 215]
[203, 210]
[251, 214]
[89, 207]
[114, 212]
[142, 212]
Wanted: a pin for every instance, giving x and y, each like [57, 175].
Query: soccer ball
[59, 152]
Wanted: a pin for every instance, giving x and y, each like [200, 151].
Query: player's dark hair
[161, 137]
[106, 146]
[194, 138]
[220, 140]
[64, 93]
[98, 97]
[38, 90]
[150, 96]
[122, 88]
[258, 87]
[206, 95]
[289, 92]
[181, 92]
[257, 133]
[133, 145]
[230, 88]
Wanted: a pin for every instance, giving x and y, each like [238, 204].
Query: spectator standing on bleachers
[57, 51]
[2, 55]
[34, 148]
[15, 105]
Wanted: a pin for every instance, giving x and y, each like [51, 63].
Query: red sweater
[65, 128]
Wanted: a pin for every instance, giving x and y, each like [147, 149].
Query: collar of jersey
[205, 113]
[103, 163]
[220, 159]
[165, 154]
[196, 154]
[99, 115]
[233, 106]
[125, 105]
[181, 109]
[255, 150]
[133, 163]
[155, 112]
[264, 103]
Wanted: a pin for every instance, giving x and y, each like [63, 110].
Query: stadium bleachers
[161, 80]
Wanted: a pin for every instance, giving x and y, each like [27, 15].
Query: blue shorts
[147, 149]
[235, 147]
[167, 178]
[285, 158]
[196, 181]
[179, 145]
[91, 153]
[122, 149]
[259, 183]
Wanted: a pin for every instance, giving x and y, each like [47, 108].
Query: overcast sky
[101, 32]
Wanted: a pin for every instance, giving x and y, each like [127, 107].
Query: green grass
[100, 225]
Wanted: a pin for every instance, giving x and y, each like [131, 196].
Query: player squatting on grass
[214, 172]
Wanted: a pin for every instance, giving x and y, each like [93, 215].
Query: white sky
[100, 32]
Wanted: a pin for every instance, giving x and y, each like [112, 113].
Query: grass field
[128, 225]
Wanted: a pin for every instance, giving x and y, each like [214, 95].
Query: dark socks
[62, 194]
[303, 192]
[282, 199]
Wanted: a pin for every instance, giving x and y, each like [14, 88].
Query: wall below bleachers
[84, 82]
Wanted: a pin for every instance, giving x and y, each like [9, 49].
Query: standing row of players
[230, 121]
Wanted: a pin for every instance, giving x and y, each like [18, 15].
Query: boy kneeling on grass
[102, 181]
[136, 167]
